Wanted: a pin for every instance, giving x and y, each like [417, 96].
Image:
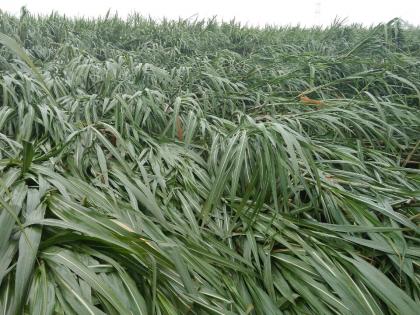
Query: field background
[193, 167]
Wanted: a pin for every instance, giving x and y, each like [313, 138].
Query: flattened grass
[171, 168]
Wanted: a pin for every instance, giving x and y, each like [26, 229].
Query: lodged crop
[197, 167]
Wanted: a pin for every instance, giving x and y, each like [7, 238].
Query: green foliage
[171, 168]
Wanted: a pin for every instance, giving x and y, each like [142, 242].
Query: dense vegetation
[193, 167]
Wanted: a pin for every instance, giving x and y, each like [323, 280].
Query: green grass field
[196, 167]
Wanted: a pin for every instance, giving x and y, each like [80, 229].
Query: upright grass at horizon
[195, 167]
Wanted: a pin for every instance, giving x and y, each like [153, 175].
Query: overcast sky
[252, 12]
